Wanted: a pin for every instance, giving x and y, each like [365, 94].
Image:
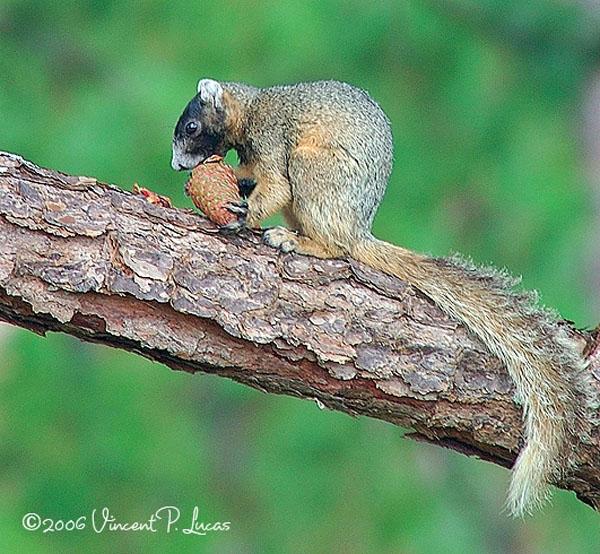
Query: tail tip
[529, 489]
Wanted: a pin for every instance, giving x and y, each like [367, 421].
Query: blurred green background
[485, 99]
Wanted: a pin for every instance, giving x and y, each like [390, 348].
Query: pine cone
[211, 187]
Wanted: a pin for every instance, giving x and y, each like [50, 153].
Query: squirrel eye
[191, 127]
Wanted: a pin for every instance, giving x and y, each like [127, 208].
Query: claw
[239, 208]
[232, 228]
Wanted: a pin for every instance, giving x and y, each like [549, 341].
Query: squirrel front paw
[240, 210]
[281, 238]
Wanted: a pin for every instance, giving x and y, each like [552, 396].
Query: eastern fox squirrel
[321, 153]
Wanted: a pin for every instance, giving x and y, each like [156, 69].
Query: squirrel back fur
[322, 153]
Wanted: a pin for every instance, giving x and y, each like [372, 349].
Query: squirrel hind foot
[287, 240]
[281, 238]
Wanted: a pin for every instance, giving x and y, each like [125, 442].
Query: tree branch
[106, 266]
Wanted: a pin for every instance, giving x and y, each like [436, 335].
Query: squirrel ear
[211, 92]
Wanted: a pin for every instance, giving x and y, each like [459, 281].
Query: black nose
[181, 167]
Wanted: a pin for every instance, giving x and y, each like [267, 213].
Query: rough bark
[104, 265]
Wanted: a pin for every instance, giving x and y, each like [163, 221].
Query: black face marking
[200, 131]
[191, 113]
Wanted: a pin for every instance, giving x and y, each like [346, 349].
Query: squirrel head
[201, 129]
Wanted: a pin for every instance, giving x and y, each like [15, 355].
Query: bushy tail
[543, 362]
